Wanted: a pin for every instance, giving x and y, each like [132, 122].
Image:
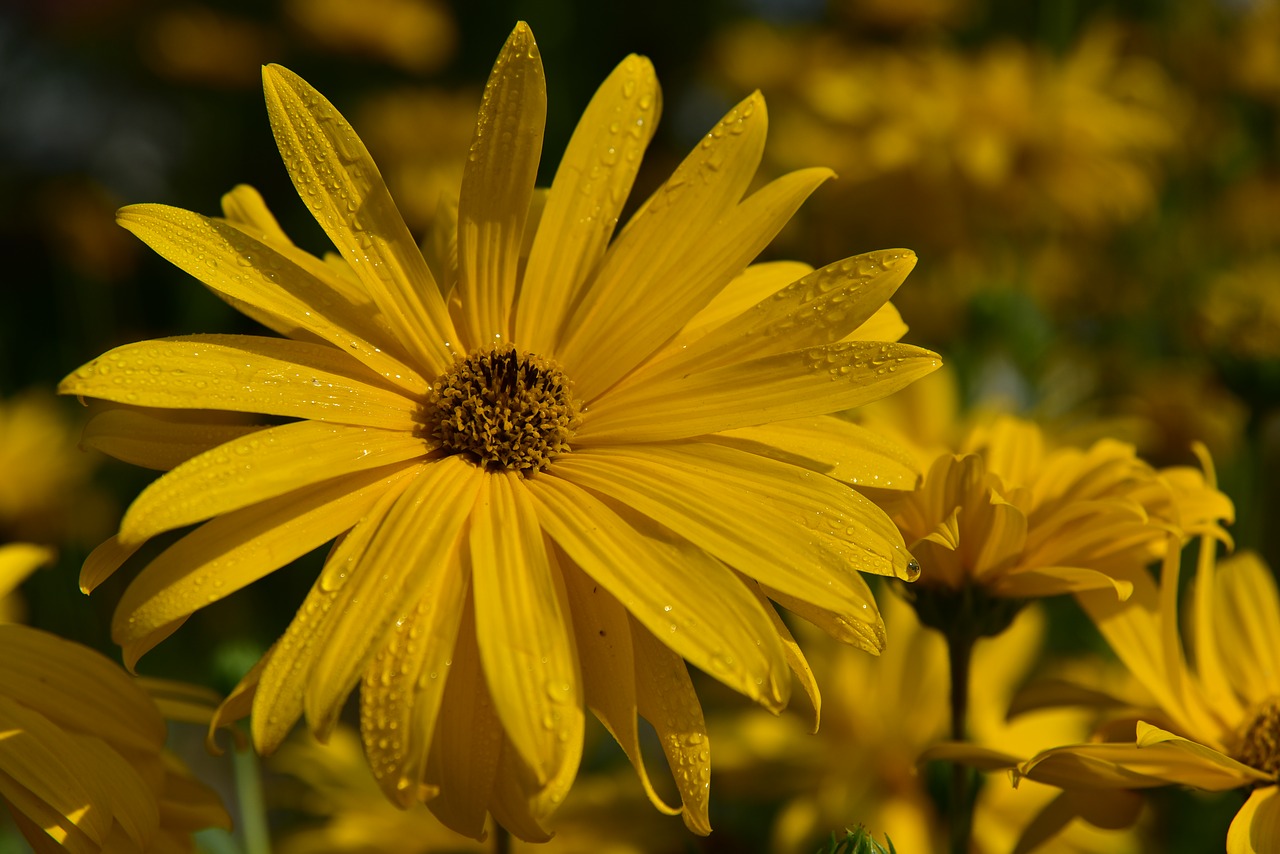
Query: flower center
[504, 409]
[1260, 743]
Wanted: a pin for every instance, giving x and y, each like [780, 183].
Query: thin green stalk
[253, 813]
[501, 840]
[960, 653]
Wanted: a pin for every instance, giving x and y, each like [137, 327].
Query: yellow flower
[1214, 724]
[878, 715]
[416, 35]
[81, 753]
[1019, 519]
[557, 464]
[1240, 311]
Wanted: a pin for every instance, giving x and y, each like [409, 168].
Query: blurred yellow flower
[602, 815]
[515, 544]
[416, 35]
[197, 44]
[878, 715]
[1240, 311]
[1215, 720]
[81, 748]
[17, 561]
[1020, 519]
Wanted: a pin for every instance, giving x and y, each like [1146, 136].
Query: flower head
[558, 462]
[82, 750]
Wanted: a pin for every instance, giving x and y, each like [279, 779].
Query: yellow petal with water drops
[669, 227]
[780, 387]
[1247, 620]
[667, 701]
[497, 184]
[234, 550]
[795, 656]
[52, 676]
[468, 740]
[603, 633]
[244, 207]
[1195, 764]
[693, 602]
[809, 535]
[162, 438]
[264, 465]
[860, 625]
[281, 686]
[398, 566]
[263, 283]
[840, 449]
[244, 373]
[665, 299]
[530, 664]
[1256, 827]
[590, 187]
[398, 721]
[819, 308]
[44, 776]
[336, 177]
[754, 284]
[103, 562]
[18, 560]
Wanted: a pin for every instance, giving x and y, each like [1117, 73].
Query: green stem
[960, 653]
[253, 813]
[501, 840]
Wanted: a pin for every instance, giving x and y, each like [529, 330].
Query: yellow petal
[668, 228]
[973, 755]
[1058, 580]
[664, 300]
[587, 195]
[603, 633]
[399, 565]
[752, 285]
[237, 549]
[44, 827]
[862, 627]
[468, 740]
[530, 664]
[885, 325]
[18, 560]
[667, 701]
[840, 449]
[819, 308]
[1247, 620]
[1256, 828]
[53, 677]
[1203, 766]
[244, 206]
[693, 602]
[103, 561]
[497, 184]
[795, 656]
[335, 175]
[1109, 809]
[249, 273]
[809, 534]
[510, 803]
[162, 438]
[262, 466]
[244, 373]
[783, 386]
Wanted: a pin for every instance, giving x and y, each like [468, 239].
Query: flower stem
[253, 816]
[960, 653]
[501, 840]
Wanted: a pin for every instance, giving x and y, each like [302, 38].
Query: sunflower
[81, 753]
[557, 465]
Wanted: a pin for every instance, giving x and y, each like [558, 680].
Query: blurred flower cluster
[518, 433]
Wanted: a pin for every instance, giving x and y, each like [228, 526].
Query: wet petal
[752, 285]
[162, 438]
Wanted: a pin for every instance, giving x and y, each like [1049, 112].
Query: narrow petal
[1247, 620]
[18, 560]
[103, 562]
[668, 228]
[161, 439]
[840, 449]
[809, 535]
[694, 603]
[603, 633]
[397, 721]
[468, 740]
[862, 627]
[244, 373]
[1105, 809]
[667, 700]
[401, 563]
[1130, 766]
[234, 550]
[753, 285]
[250, 274]
[819, 308]
[1199, 758]
[334, 174]
[264, 465]
[46, 828]
[795, 656]
[1256, 828]
[244, 207]
[510, 804]
[885, 325]
[783, 386]
[497, 184]
[526, 648]
[664, 300]
[1058, 580]
[587, 195]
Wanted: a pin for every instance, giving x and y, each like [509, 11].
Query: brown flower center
[504, 409]
[1260, 740]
